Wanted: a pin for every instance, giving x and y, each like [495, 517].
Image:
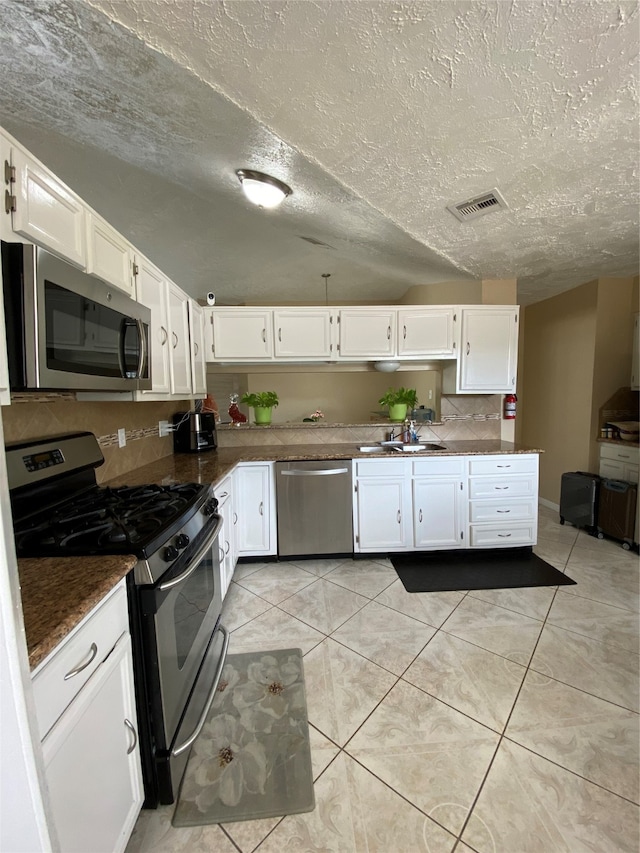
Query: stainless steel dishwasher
[314, 501]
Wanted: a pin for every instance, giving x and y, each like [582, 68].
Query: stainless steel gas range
[175, 592]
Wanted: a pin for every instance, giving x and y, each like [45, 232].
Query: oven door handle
[195, 560]
[203, 718]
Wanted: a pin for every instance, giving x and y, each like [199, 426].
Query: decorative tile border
[111, 440]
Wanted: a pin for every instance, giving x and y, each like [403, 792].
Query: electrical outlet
[122, 437]
[163, 428]
[430, 394]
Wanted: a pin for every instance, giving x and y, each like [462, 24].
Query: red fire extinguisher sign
[510, 401]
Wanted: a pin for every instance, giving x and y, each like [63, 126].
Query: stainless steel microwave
[68, 330]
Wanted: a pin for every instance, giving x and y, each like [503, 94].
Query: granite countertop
[58, 593]
[211, 466]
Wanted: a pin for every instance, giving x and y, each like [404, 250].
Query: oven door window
[190, 608]
[86, 337]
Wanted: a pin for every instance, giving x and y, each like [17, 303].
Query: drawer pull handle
[220, 554]
[622, 456]
[93, 651]
[175, 339]
[264, 336]
[420, 515]
[196, 348]
[223, 495]
[388, 333]
[280, 335]
[399, 517]
[235, 517]
[501, 488]
[503, 510]
[404, 333]
[261, 508]
[165, 336]
[503, 466]
[133, 731]
[504, 535]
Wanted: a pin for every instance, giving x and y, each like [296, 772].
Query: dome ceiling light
[262, 189]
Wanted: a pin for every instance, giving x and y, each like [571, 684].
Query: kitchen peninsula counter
[57, 593]
[212, 466]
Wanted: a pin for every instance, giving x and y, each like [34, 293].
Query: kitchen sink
[402, 448]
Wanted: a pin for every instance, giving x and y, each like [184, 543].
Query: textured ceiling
[378, 114]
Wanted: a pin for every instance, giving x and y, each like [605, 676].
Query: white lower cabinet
[254, 492]
[91, 753]
[382, 505]
[503, 500]
[227, 540]
[439, 488]
[445, 502]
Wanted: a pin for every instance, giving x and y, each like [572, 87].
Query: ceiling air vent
[472, 208]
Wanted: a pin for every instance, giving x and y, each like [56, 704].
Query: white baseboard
[549, 504]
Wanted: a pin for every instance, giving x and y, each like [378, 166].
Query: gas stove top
[129, 520]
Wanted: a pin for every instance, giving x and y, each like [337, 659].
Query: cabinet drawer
[501, 535]
[381, 467]
[512, 464]
[452, 465]
[502, 487]
[53, 685]
[501, 511]
[628, 455]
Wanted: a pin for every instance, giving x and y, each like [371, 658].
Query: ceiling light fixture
[262, 189]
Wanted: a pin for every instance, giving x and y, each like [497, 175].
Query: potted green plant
[399, 400]
[261, 403]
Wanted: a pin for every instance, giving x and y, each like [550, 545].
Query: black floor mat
[437, 571]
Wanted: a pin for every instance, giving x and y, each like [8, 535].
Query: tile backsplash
[47, 415]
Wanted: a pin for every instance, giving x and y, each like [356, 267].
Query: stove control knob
[210, 507]
[170, 553]
[182, 540]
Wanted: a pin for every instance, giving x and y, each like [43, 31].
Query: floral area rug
[252, 758]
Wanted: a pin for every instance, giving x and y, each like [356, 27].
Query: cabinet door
[196, 336]
[383, 518]
[255, 503]
[612, 470]
[243, 334]
[367, 333]
[303, 333]
[92, 762]
[437, 513]
[227, 541]
[179, 336]
[488, 350]
[152, 291]
[426, 332]
[46, 212]
[109, 255]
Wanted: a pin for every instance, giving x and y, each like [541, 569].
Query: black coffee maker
[194, 432]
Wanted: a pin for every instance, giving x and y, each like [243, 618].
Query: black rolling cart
[579, 493]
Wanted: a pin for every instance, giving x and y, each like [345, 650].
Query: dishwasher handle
[316, 472]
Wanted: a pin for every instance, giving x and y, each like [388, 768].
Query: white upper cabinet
[241, 334]
[179, 341]
[488, 355]
[367, 333]
[109, 255]
[152, 291]
[196, 337]
[303, 333]
[44, 210]
[425, 332]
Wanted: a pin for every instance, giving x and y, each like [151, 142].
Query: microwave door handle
[142, 340]
[121, 356]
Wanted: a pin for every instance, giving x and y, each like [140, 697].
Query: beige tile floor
[497, 721]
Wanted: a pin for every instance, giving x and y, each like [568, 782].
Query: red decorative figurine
[234, 412]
